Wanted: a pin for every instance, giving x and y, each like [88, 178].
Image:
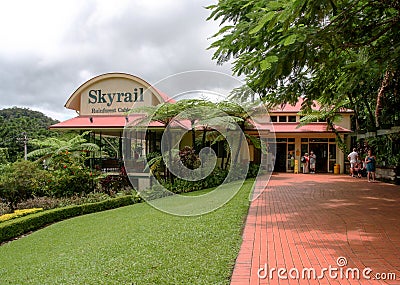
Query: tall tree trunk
[227, 160]
[381, 95]
[203, 140]
[223, 154]
[240, 143]
[193, 136]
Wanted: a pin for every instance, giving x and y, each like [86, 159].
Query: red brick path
[310, 220]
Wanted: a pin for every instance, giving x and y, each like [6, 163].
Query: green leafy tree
[20, 181]
[163, 113]
[65, 159]
[3, 155]
[15, 121]
[312, 48]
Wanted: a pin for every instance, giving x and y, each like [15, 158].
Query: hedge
[17, 227]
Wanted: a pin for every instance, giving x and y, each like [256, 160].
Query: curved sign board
[113, 94]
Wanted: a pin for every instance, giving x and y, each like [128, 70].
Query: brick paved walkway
[310, 220]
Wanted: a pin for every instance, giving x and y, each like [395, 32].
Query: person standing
[370, 162]
[305, 162]
[313, 161]
[353, 156]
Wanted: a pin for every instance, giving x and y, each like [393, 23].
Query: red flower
[65, 166]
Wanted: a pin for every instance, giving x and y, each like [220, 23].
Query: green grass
[131, 245]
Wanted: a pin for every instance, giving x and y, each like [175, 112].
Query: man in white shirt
[353, 157]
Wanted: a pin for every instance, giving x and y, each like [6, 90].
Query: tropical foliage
[204, 117]
[336, 51]
[20, 181]
[50, 148]
[16, 121]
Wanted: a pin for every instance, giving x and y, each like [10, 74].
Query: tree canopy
[16, 121]
[330, 50]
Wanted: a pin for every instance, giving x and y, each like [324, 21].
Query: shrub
[21, 180]
[48, 203]
[189, 158]
[253, 170]
[3, 155]
[155, 192]
[14, 228]
[112, 184]
[72, 179]
[214, 179]
[69, 175]
[19, 213]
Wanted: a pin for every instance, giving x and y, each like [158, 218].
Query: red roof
[99, 122]
[287, 108]
[119, 122]
[113, 122]
[309, 128]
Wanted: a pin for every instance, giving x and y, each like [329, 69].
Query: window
[274, 119]
[318, 140]
[282, 119]
[292, 119]
[332, 151]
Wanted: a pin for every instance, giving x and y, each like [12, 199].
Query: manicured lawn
[131, 245]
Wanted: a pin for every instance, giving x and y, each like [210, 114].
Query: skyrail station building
[103, 102]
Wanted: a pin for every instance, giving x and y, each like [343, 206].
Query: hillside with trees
[14, 122]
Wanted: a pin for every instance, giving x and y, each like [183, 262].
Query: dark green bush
[253, 170]
[14, 228]
[20, 181]
[70, 176]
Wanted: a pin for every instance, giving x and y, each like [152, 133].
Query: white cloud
[49, 48]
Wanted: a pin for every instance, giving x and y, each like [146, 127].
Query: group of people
[361, 168]
[358, 168]
[309, 161]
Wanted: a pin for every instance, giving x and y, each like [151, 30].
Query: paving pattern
[321, 229]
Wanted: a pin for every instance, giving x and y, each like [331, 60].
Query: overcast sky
[49, 48]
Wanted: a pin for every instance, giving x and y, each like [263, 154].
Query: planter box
[387, 174]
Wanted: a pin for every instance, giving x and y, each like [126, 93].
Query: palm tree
[205, 116]
[50, 147]
[242, 114]
[163, 113]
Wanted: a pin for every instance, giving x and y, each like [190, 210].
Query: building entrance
[281, 157]
[321, 152]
